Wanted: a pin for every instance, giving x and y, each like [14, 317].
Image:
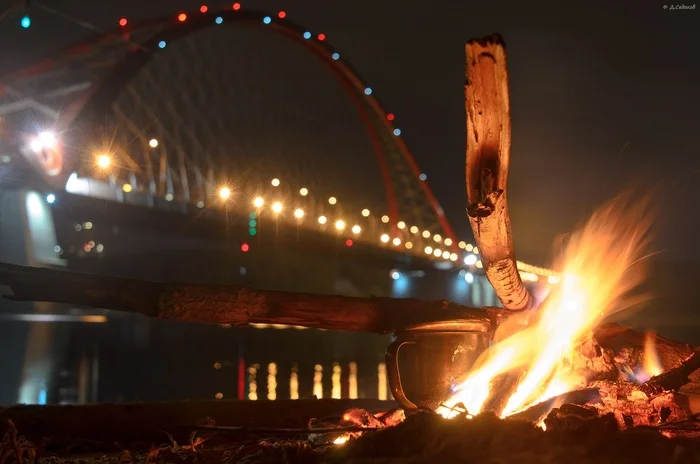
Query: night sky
[603, 96]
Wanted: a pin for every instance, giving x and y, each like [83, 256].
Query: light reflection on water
[342, 387]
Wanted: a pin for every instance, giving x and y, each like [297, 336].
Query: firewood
[106, 424]
[234, 305]
[672, 379]
[487, 161]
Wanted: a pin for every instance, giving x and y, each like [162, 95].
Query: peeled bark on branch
[231, 304]
[488, 157]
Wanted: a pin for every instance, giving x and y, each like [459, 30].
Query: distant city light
[470, 260]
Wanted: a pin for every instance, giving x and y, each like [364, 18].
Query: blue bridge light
[267, 20]
[368, 91]
[423, 176]
[335, 56]
[219, 20]
[25, 22]
[162, 44]
[307, 35]
[50, 198]
[397, 132]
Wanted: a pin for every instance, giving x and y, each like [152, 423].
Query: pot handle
[392, 366]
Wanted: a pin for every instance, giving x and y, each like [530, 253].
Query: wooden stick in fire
[488, 157]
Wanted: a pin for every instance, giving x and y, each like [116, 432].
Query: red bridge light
[245, 247]
[322, 37]
[236, 6]
[282, 14]
[203, 9]
[122, 22]
[348, 242]
[390, 116]
[182, 17]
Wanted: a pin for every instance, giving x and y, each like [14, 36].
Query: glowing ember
[599, 267]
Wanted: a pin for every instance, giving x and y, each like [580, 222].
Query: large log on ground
[234, 305]
[149, 422]
[487, 161]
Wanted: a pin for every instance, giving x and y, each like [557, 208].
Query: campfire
[557, 381]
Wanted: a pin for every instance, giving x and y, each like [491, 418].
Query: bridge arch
[405, 193]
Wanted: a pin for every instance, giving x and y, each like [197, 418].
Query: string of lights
[401, 236]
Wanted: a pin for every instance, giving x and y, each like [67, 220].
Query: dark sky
[603, 95]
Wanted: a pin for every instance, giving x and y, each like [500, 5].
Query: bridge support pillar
[27, 237]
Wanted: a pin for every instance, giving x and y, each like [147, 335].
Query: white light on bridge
[384, 238]
[396, 241]
[340, 224]
[356, 229]
[401, 225]
[437, 238]
[409, 245]
[414, 229]
[479, 264]
[42, 141]
[50, 198]
[275, 182]
[153, 143]
[385, 219]
[224, 193]
[258, 202]
[395, 275]
[303, 191]
[277, 207]
[365, 212]
[322, 219]
[437, 252]
[428, 250]
[448, 241]
[469, 277]
[298, 213]
[470, 260]
[454, 257]
[426, 234]
[332, 200]
[462, 245]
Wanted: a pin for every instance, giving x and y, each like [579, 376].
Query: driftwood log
[487, 160]
[147, 423]
[234, 305]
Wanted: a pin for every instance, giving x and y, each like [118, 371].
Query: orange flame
[652, 365]
[599, 271]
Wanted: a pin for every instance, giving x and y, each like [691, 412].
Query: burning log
[234, 305]
[487, 160]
